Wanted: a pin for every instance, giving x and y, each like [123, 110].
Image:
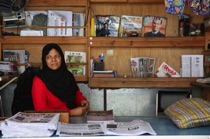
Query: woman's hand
[85, 104]
[78, 111]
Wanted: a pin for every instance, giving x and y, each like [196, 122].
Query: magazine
[59, 18]
[131, 26]
[107, 25]
[76, 57]
[192, 65]
[166, 71]
[154, 26]
[135, 67]
[143, 66]
[8, 68]
[18, 56]
[78, 20]
[135, 127]
[150, 66]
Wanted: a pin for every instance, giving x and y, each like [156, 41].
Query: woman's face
[53, 59]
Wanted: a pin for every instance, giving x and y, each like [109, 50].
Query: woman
[54, 87]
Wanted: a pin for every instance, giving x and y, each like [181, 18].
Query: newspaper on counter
[135, 127]
[87, 129]
[30, 125]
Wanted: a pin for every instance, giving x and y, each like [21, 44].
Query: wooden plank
[108, 1]
[49, 3]
[148, 42]
[126, 1]
[120, 61]
[41, 40]
[140, 82]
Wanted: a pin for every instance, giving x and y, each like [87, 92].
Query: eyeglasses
[49, 57]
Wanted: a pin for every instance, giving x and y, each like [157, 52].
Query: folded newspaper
[135, 127]
[30, 125]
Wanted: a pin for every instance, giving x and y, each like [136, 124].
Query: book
[77, 58]
[155, 26]
[131, 26]
[18, 56]
[166, 71]
[100, 116]
[107, 25]
[78, 19]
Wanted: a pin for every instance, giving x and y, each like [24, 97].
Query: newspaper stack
[30, 125]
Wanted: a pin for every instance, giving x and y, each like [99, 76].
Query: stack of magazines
[30, 125]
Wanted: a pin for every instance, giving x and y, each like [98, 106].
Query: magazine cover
[8, 68]
[131, 26]
[76, 57]
[78, 20]
[135, 67]
[166, 71]
[107, 25]
[59, 18]
[154, 26]
[18, 56]
[150, 66]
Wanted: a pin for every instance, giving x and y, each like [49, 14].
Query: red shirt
[43, 99]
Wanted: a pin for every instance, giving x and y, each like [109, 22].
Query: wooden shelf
[165, 42]
[113, 83]
[128, 1]
[82, 79]
[41, 39]
[200, 85]
[56, 3]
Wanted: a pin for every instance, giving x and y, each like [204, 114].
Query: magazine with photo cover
[131, 26]
[135, 67]
[17, 56]
[150, 66]
[78, 19]
[107, 25]
[76, 57]
[155, 26]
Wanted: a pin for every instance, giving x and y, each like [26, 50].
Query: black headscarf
[60, 82]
